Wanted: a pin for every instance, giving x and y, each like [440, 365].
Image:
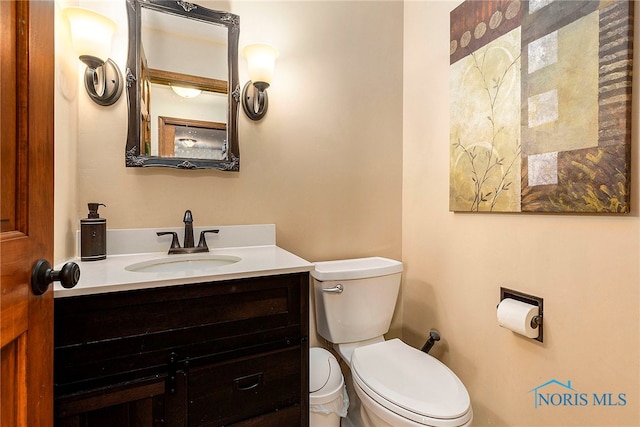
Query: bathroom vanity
[199, 347]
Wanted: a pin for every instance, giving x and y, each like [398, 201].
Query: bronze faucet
[188, 238]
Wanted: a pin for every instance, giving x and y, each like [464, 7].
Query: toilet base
[353, 418]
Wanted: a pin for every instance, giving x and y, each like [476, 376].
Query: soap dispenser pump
[93, 235]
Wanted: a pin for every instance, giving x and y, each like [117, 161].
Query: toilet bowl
[395, 384]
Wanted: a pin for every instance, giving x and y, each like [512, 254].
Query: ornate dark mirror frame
[133, 73]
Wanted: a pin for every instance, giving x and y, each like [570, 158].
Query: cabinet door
[147, 403]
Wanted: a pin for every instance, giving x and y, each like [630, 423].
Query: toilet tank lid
[358, 268]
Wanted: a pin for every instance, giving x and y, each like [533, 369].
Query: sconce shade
[91, 33]
[261, 60]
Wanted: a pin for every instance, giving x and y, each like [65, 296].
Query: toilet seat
[411, 384]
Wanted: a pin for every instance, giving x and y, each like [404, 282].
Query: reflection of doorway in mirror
[207, 107]
[192, 139]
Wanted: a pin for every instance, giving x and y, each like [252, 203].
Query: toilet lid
[409, 382]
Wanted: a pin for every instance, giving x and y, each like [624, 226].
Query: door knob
[42, 275]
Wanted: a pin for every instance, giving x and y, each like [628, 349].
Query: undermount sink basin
[183, 263]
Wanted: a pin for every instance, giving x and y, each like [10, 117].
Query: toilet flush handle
[337, 289]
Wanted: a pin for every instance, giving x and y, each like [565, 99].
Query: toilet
[395, 385]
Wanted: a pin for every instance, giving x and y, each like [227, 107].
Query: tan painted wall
[66, 137]
[585, 267]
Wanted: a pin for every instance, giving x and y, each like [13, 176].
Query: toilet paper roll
[516, 316]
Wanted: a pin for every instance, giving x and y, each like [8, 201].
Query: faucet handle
[203, 240]
[174, 241]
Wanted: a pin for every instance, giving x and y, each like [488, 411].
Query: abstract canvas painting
[540, 106]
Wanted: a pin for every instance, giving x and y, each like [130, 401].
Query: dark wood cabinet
[211, 354]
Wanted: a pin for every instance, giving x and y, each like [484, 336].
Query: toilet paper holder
[536, 322]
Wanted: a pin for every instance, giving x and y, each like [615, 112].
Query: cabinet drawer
[224, 393]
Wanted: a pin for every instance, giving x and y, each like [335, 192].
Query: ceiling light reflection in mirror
[208, 106]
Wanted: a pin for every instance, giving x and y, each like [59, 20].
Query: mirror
[182, 86]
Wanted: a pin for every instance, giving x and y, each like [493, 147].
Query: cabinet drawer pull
[248, 383]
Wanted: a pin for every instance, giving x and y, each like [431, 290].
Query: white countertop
[255, 245]
[109, 275]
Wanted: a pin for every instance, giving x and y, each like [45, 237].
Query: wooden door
[26, 170]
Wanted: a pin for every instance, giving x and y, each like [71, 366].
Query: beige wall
[66, 138]
[585, 267]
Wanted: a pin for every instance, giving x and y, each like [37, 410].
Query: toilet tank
[355, 298]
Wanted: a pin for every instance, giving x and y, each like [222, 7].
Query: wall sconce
[261, 60]
[91, 35]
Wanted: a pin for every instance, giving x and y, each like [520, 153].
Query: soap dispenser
[93, 235]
